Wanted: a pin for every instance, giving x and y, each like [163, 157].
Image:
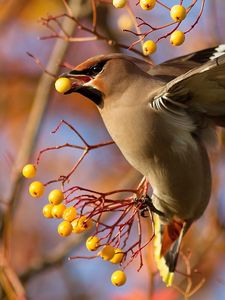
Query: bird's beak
[78, 78]
[79, 85]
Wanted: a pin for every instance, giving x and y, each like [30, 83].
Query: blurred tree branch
[54, 259]
[37, 114]
[103, 14]
[32, 129]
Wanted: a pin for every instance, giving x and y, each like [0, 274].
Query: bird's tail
[166, 246]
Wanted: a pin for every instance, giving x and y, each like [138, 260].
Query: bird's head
[101, 76]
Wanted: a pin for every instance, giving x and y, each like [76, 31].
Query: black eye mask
[92, 71]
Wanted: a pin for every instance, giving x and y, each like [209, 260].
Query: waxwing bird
[162, 120]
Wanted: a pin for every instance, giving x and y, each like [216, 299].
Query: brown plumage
[162, 121]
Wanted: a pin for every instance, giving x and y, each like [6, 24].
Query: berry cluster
[81, 209]
[74, 224]
[178, 14]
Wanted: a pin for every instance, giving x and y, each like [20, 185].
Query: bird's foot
[145, 205]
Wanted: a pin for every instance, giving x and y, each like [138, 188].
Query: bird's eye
[96, 69]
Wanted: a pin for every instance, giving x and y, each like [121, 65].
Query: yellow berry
[55, 197]
[47, 211]
[107, 252]
[75, 225]
[64, 228]
[58, 210]
[63, 85]
[124, 22]
[29, 171]
[178, 13]
[84, 223]
[118, 278]
[36, 189]
[119, 3]
[149, 47]
[117, 257]
[147, 4]
[92, 243]
[69, 214]
[177, 38]
[81, 224]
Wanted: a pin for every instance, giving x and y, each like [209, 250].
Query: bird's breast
[175, 164]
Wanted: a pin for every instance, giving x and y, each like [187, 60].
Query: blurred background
[33, 258]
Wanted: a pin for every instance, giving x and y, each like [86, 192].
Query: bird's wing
[201, 91]
[201, 56]
[170, 69]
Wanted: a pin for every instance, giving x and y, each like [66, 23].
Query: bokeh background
[36, 255]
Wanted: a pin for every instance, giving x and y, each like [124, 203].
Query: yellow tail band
[166, 275]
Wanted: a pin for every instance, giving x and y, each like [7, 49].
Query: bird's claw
[145, 204]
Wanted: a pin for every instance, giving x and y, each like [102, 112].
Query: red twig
[86, 149]
[94, 34]
[142, 35]
[123, 204]
[199, 16]
[39, 63]
[189, 290]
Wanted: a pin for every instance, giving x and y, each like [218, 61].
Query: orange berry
[63, 85]
[178, 13]
[118, 278]
[58, 210]
[147, 4]
[69, 214]
[92, 243]
[177, 38]
[47, 211]
[36, 189]
[124, 22]
[107, 252]
[29, 171]
[117, 257]
[81, 224]
[149, 47]
[119, 3]
[64, 228]
[75, 225]
[55, 197]
[84, 223]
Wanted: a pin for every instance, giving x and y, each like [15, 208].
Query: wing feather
[172, 68]
[201, 89]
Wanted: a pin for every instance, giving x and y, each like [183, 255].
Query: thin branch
[58, 255]
[94, 15]
[39, 63]
[95, 34]
[56, 258]
[32, 130]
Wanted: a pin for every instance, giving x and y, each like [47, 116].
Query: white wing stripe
[220, 50]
